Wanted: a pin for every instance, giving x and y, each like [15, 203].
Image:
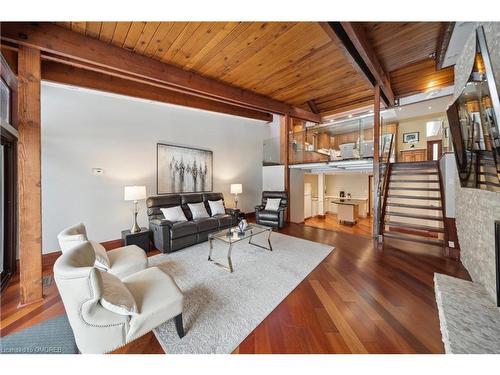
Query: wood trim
[60, 73]
[357, 35]
[376, 159]
[451, 230]
[312, 106]
[29, 169]
[285, 136]
[355, 46]
[73, 48]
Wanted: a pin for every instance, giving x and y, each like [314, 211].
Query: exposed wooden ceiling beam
[361, 54]
[95, 55]
[60, 73]
[312, 106]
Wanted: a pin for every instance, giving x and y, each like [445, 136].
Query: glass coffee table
[232, 235]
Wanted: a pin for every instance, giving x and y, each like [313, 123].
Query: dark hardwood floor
[362, 298]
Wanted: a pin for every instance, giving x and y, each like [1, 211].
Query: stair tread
[408, 237]
[428, 228]
[406, 172]
[398, 196]
[413, 216]
[412, 188]
[415, 181]
[436, 208]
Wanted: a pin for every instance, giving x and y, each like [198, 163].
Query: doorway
[434, 149]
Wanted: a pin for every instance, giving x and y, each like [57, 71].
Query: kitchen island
[348, 209]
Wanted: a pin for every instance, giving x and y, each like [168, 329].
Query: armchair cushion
[101, 257]
[268, 215]
[158, 299]
[272, 204]
[127, 260]
[72, 236]
[115, 296]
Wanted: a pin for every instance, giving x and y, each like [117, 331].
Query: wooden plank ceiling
[406, 51]
[291, 62]
[287, 61]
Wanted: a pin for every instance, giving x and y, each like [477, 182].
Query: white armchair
[121, 262]
[98, 329]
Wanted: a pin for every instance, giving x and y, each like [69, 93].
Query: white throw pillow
[173, 214]
[272, 204]
[217, 207]
[116, 297]
[101, 257]
[198, 210]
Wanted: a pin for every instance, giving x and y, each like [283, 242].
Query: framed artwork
[183, 169]
[411, 137]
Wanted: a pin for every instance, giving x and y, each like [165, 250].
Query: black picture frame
[208, 152]
[412, 133]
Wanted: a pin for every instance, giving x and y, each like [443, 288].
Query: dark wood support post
[284, 155]
[376, 158]
[29, 176]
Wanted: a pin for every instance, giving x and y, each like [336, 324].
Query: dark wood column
[284, 154]
[376, 158]
[29, 176]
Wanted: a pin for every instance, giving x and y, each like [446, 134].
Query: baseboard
[49, 259]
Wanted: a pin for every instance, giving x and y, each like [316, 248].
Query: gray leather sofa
[275, 219]
[171, 236]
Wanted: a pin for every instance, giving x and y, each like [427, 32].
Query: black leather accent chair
[275, 219]
[170, 236]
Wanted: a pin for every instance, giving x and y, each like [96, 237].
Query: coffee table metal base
[229, 266]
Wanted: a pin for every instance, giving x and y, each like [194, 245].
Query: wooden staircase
[413, 206]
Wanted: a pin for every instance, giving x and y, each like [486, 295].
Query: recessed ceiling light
[430, 107]
[349, 116]
[400, 108]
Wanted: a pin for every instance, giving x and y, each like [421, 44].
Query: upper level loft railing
[341, 140]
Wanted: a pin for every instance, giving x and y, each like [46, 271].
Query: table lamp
[135, 193]
[236, 189]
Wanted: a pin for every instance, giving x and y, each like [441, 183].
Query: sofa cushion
[204, 224]
[225, 220]
[217, 207]
[268, 215]
[127, 260]
[183, 228]
[158, 298]
[198, 210]
[173, 213]
[190, 198]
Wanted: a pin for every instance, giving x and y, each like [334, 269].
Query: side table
[141, 239]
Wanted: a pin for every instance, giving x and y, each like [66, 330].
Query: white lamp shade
[236, 189]
[134, 193]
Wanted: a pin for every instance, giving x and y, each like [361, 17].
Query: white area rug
[222, 308]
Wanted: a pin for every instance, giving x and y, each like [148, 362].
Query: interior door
[434, 149]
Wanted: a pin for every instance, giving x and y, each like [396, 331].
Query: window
[433, 128]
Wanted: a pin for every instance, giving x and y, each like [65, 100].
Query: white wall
[84, 129]
[296, 203]
[273, 177]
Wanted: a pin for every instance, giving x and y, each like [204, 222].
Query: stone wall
[476, 210]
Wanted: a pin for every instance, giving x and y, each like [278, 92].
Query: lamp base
[136, 228]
